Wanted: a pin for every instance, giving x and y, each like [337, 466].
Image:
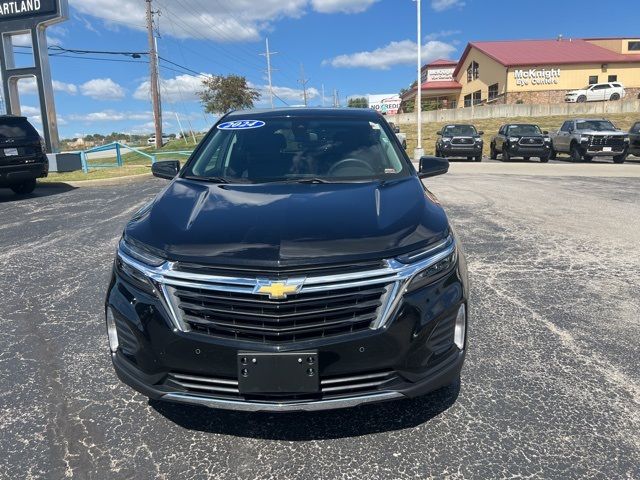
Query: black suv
[296, 262]
[634, 139]
[521, 140]
[22, 155]
[460, 140]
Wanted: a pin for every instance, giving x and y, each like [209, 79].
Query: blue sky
[355, 46]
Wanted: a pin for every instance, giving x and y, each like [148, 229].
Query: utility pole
[419, 152]
[303, 81]
[269, 69]
[153, 63]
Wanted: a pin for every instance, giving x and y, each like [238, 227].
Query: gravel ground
[550, 389]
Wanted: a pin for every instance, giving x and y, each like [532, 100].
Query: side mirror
[481, 132]
[439, 132]
[396, 130]
[545, 132]
[165, 169]
[432, 166]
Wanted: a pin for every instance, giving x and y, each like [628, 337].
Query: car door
[598, 92]
[562, 139]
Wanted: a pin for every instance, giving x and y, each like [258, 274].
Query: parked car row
[581, 139]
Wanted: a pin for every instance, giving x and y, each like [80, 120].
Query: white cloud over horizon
[442, 5]
[102, 89]
[395, 53]
[341, 6]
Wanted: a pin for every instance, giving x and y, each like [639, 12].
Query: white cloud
[240, 20]
[441, 34]
[440, 5]
[110, 116]
[181, 88]
[343, 6]
[395, 53]
[69, 88]
[102, 89]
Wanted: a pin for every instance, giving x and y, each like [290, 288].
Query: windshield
[16, 128]
[597, 125]
[295, 149]
[520, 130]
[459, 130]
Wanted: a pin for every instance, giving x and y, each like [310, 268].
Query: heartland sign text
[26, 8]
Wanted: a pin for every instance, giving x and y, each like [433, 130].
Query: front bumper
[415, 349]
[450, 150]
[518, 150]
[599, 152]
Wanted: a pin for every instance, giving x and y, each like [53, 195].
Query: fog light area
[113, 333]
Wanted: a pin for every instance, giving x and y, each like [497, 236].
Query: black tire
[620, 158]
[469, 159]
[544, 159]
[478, 158]
[553, 154]
[581, 99]
[24, 188]
[576, 155]
[493, 155]
[587, 158]
[614, 97]
[505, 155]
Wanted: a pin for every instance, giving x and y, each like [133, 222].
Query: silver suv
[587, 138]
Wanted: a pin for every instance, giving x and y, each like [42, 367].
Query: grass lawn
[96, 174]
[490, 127]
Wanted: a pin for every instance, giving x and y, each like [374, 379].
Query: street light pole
[419, 152]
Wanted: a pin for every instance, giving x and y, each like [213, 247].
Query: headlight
[430, 263]
[446, 139]
[585, 138]
[478, 140]
[514, 139]
[626, 139]
[138, 254]
[547, 139]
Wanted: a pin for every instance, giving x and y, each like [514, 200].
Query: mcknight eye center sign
[26, 8]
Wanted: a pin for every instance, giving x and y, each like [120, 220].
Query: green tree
[222, 94]
[358, 102]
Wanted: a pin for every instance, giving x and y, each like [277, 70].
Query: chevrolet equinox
[295, 262]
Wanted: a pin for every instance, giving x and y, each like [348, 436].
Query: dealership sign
[537, 76]
[26, 8]
[440, 74]
[385, 104]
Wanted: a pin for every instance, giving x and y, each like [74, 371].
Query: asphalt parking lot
[550, 389]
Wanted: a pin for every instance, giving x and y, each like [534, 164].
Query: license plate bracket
[286, 372]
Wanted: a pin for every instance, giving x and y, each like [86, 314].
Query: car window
[17, 128]
[617, 85]
[635, 128]
[459, 130]
[519, 130]
[597, 125]
[566, 127]
[285, 148]
[600, 87]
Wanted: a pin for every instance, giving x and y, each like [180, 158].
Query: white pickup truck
[596, 92]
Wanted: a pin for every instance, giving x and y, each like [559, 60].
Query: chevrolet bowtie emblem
[279, 290]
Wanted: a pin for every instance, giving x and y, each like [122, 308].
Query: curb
[99, 181]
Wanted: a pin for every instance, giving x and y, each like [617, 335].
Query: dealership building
[529, 71]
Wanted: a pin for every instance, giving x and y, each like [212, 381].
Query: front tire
[478, 158]
[620, 158]
[544, 159]
[553, 154]
[576, 155]
[505, 155]
[24, 188]
[581, 99]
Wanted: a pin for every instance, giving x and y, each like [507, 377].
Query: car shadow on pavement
[42, 190]
[305, 426]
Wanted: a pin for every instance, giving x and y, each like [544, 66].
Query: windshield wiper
[207, 179]
[310, 180]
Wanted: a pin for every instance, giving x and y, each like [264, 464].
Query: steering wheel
[355, 162]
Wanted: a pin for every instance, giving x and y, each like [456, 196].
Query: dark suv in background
[22, 155]
[521, 140]
[296, 262]
[460, 140]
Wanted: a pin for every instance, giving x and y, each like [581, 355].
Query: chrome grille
[297, 317]
[329, 386]
[531, 141]
[462, 141]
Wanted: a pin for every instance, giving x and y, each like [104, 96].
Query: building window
[493, 91]
[467, 100]
[473, 71]
[593, 79]
[613, 78]
[634, 46]
[477, 97]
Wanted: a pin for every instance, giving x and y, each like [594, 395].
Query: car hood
[285, 224]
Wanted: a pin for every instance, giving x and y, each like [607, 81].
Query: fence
[119, 159]
[520, 110]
